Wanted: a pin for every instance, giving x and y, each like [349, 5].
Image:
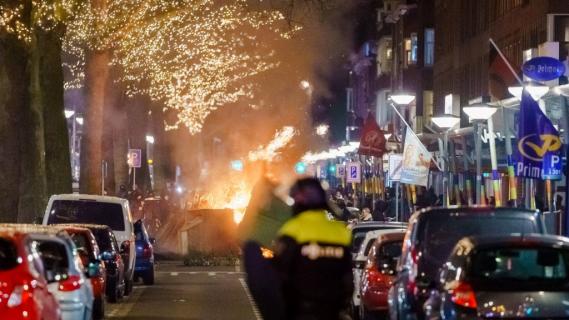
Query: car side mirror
[93, 270]
[106, 256]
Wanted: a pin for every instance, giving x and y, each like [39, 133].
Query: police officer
[312, 258]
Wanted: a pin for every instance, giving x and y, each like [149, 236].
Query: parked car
[64, 272]
[90, 257]
[361, 229]
[431, 236]
[144, 267]
[518, 276]
[360, 258]
[114, 265]
[24, 290]
[93, 209]
[378, 274]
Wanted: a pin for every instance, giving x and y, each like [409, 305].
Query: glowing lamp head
[446, 121]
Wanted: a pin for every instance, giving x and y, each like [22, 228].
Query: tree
[30, 31]
[192, 56]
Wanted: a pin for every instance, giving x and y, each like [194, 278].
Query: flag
[372, 142]
[416, 161]
[538, 150]
[499, 75]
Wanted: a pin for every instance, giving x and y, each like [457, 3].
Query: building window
[414, 46]
[407, 48]
[429, 47]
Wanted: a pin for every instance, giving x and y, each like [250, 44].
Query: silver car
[67, 279]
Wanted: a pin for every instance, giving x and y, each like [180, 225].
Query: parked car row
[461, 263]
[70, 266]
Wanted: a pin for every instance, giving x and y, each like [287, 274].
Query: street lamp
[446, 122]
[536, 90]
[402, 98]
[79, 120]
[69, 113]
[150, 139]
[477, 114]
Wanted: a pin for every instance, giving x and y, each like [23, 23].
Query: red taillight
[414, 254]
[72, 283]
[147, 251]
[464, 296]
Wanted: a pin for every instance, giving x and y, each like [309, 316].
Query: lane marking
[173, 274]
[251, 301]
[211, 274]
[125, 306]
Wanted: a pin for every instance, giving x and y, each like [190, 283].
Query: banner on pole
[416, 161]
[340, 171]
[539, 147]
[395, 165]
[373, 141]
[354, 172]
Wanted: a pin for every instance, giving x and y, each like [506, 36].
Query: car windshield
[54, 258]
[140, 231]
[103, 238]
[84, 211]
[82, 243]
[8, 255]
[527, 267]
[389, 250]
[442, 232]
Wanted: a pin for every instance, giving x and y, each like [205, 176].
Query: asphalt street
[192, 293]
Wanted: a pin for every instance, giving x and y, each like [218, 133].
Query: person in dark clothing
[312, 258]
[123, 192]
[381, 207]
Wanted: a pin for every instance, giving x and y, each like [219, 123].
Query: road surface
[191, 293]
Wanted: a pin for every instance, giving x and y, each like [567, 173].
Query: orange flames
[280, 140]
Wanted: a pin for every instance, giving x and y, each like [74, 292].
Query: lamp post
[535, 89]
[478, 114]
[446, 123]
[400, 98]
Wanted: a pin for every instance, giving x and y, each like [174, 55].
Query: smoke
[320, 43]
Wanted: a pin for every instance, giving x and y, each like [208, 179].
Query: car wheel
[148, 277]
[99, 308]
[128, 287]
[354, 311]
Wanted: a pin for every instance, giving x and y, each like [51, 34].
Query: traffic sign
[354, 172]
[395, 166]
[134, 158]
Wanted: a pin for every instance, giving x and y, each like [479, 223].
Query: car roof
[89, 197]
[522, 240]
[372, 224]
[372, 236]
[31, 228]
[468, 210]
[392, 235]
[84, 226]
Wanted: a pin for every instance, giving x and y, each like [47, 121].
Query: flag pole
[506, 61]
[410, 129]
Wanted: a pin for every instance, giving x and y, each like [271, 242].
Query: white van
[93, 209]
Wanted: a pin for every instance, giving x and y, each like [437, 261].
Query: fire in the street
[238, 204]
[269, 152]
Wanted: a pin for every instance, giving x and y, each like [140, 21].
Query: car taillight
[147, 251]
[19, 295]
[464, 296]
[72, 283]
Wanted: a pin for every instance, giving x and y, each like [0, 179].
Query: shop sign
[543, 68]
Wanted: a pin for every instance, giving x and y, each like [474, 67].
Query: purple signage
[543, 68]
